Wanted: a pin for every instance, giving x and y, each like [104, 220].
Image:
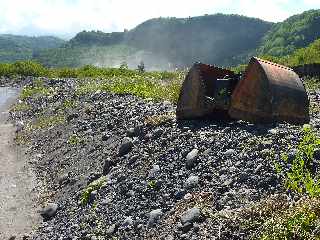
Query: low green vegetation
[312, 84]
[68, 104]
[276, 218]
[23, 68]
[139, 85]
[155, 85]
[300, 177]
[36, 90]
[93, 186]
[152, 184]
[44, 122]
[74, 139]
[21, 107]
[299, 220]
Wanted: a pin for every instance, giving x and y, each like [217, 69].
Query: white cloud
[66, 17]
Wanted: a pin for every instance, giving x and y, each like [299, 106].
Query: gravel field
[119, 167]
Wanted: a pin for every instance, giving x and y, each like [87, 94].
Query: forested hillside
[214, 39]
[301, 56]
[296, 32]
[170, 42]
[13, 48]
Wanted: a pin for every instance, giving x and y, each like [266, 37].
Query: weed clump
[297, 221]
[44, 122]
[74, 140]
[37, 89]
[301, 176]
[93, 186]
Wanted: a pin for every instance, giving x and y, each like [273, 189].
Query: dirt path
[17, 212]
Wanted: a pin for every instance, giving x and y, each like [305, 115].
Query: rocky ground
[119, 167]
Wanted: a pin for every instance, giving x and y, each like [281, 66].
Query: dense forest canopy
[296, 32]
[307, 55]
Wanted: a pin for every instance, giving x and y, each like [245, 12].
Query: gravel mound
[121, 167]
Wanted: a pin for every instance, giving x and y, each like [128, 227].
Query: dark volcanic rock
[125, 147]
[191, 158]
[190, 216]
[49, 211]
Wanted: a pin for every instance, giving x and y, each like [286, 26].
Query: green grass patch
[312, 84]
[21, 107]
[300, 178]
[145, 86]
[23, 68]
[44, 122]
[314, 108]
[68, 104]
[274, 218]
[37, 89]
[155, 85]
[298, 221]
[74, 139]
[95, 185]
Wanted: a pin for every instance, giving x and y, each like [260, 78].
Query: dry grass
[157, 120]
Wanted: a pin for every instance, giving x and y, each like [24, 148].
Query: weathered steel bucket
[206, 92]
[269, 92]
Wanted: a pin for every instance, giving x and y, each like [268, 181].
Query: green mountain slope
[296, 32]
[214, 39]
[13, 48]
[96, 38]
[167, 43]
[301, 56]
[164, 43]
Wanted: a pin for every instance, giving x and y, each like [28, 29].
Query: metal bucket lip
[272, 64]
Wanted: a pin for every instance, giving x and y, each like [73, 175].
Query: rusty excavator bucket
[206, 92]
[267, 92]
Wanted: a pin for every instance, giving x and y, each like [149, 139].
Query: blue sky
[67, 17]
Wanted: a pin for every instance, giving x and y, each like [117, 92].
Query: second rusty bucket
[269, 92]
[206, 92]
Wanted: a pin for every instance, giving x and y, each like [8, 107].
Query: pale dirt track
[17, 208]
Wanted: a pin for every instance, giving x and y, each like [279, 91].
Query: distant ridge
[164, 43]
[14, 47]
